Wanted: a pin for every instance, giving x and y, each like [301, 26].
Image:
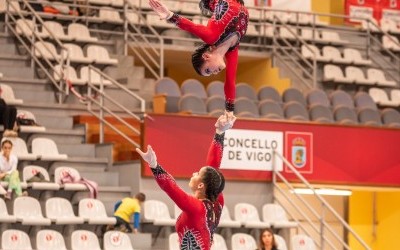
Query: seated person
[8, 116]
[8, 169]
[267, 240]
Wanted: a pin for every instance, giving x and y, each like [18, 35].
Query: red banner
[335, 154]
[372, 8]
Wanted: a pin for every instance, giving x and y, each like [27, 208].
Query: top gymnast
[224, 30]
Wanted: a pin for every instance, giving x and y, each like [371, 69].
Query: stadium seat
[341, 98]
[190, 8]
[157, 212]
[333, 73]
[381, 98]
[25, 114]
[69, 74]
[269, 93]
[215, 88]
[355, 57]
[60, 211]
[5, 217]
[26, 27]
[133, 17]
[369, 116]
[94, 78]
[317, 96]
[391, 43]
[46, 50]
[76, 55]
[100, 55]
[192, 104]
[50, 240]
[302, 242]
[320, 113]
[389, 25]
[271, 110]
[280, 242]
[84, 240]
[194, 87]
[115, 240]
[226, 220]
[378, 76]
[295, 111]
[395, 96]
[345, 115]
[288, 32]
[7, 94]
[357, 76]
[364, 100]
[246, 90]
[94, 212]
[173, 241]
[21, 150]
[372, 25]
[243, 105]
[60, 172]
[218, 243]
[334, 55]
[31, 170]
[310, 34]
[390, 118]
[242, 241]
[13, 239]
[275, 215]
[109, 15]
[167, 95]
[247, 215]
[31, 216]
[46, 149]
[80, 33]
[215, 104]
[55, 28]
[311, 51]
[332, 37]
[295, 95]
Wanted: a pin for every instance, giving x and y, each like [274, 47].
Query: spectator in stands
[267, 240]
[222, 36]
[202, 209]
[123, 211]
[8, 114]
[8, 170]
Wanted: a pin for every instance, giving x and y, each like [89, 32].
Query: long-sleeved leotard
[229, 18]
[199, 218]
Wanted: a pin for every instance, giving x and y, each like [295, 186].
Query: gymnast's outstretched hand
[224, 123]
[149, 156]
[162, 11]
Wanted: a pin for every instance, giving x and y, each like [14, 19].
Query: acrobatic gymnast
[202, 209]
[222, 35]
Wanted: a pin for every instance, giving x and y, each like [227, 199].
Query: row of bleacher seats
[332, 54]
[386, 24]
[245, 215]
[59, 211]
[391, 43]
[355, 75]
[243, 241]
[76, 32]
[268, 103]
[46, 239]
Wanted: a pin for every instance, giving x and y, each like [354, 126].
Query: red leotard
[229, 18]
[199, 218]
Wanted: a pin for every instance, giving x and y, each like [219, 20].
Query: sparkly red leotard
[229, 18]
[199, 218]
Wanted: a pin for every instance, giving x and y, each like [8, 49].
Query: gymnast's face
[196, 181]
[213, 64]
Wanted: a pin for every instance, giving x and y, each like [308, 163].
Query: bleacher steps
[103, 179]
[7, 45]
[59, 122]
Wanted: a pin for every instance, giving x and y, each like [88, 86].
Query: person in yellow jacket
[123, 211]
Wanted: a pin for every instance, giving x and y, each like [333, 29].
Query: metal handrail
[323, 202]
[64, 59]
[99, 91]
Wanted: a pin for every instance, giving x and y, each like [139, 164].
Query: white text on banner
[252, 150]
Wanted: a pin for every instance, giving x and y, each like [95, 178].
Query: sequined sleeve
[215, 151]
[183, 200]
